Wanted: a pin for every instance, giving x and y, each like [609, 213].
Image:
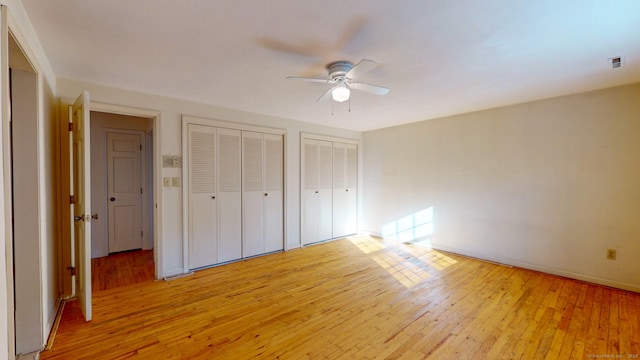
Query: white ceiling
[438, 57]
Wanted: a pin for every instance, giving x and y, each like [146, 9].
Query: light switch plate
[175, 181]
[167, 181]
[171, 161]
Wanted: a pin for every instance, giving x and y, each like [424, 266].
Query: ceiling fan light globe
[340, 94]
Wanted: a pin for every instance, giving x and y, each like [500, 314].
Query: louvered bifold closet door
[351, 197]
[339, 190]
[203, 231]
[310, 214]
[325, 190]
[229, 195]
[273, 189]
[252, 194]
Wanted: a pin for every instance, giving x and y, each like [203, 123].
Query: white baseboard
[545, 269]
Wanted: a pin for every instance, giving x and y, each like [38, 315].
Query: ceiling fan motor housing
[338, 69]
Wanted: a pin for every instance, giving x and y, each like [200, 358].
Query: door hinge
[72, 269]
[140, 147]
[72, 199]
[141, 233]
[70, 126]
[140, 190]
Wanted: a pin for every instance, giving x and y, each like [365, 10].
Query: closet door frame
[332, 139]
[186, 120]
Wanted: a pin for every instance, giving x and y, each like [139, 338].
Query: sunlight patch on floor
[405, 272]
[430, 257]
[366, 244]
[408, 263]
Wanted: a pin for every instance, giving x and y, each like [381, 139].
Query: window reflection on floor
[409, 263]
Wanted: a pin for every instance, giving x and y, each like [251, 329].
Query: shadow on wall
[417, 227]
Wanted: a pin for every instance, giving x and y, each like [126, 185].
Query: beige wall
[168, 135]
[547, 185]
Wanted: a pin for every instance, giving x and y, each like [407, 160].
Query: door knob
[94, 216]
[266, 194]
[78, 218]
[113, 199]
[213, 197]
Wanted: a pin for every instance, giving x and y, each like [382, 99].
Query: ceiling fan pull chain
[332, 108]
[349, 104]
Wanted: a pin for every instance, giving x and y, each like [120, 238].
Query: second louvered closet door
[262, 193]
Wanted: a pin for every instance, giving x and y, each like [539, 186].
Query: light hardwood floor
[121, 269]
[355, 298]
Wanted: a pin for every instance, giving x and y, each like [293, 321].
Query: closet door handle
[213, 197]
[113, 199]
[316, 191]
[266, 194]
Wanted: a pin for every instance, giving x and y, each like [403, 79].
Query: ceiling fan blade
[364, 66]
[374, 89]
[325, 96]
[308, 79]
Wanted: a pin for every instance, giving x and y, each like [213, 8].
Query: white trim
[304, 135]
[185, 196]
[285, 238]
[230, 125]
[22, 30]
[544, 269]
[154, 115]
[7, 319]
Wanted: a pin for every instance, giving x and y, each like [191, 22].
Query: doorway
[25, 197]
[122, 229]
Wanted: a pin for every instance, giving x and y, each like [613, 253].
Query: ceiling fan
[342, 75]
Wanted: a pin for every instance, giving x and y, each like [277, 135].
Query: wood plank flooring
[355, 298]
[125, 268]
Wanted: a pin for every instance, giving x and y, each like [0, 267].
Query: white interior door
[203, 227]
[351, 197]
[229, 195]
[345, 192]
[325, 190]
[252, 194]
[124, 191]
[273, 187]
[339, 190]
[81, 190]
[310, 198]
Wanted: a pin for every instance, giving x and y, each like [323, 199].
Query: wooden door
[124, 191]
[81, 190]
[203, 227]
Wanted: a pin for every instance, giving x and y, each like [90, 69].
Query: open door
[81, 206]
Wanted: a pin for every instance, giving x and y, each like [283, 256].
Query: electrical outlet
[611, 254]
[167, 181]
[175, 181]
